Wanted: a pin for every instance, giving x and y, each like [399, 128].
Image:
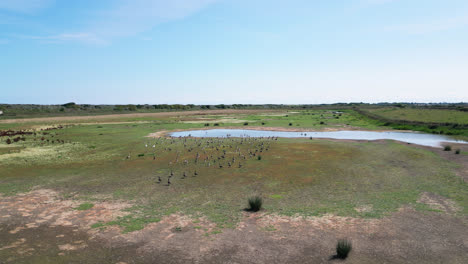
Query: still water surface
[409, 137]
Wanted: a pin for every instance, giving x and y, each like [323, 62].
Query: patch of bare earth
[41, 224]
[438, 202]
[45, 206]
[25, 213]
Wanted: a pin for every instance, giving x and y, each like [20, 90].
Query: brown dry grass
[134, 115]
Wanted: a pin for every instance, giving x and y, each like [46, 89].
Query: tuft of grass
[255, 203]
[98, 225]
[214, 232]
[343, 247]
[141, 155]
[276, 196]
[447, 148]
[270, 228]
[84, 206]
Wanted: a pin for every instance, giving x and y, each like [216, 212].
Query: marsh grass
[255, 203]
[343, 247]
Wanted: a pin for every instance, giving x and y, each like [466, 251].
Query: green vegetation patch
[423, 115]
[84, 206]
[129, 223]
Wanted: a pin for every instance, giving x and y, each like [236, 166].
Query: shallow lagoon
[409, 137]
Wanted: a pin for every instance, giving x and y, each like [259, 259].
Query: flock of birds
[186, 156]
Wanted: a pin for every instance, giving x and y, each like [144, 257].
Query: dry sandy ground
[69, 119]
[42, 225]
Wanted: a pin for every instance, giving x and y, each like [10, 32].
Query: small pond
[409, 137]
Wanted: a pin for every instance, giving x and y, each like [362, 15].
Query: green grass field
[294, 176]
[423, 115]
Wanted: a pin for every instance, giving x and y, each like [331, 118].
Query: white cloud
[131, 17]
[24, 6]
[59, 38]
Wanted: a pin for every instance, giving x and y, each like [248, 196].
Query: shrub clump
[343, 247]
[255, 204]
[447, 148]
[259, 157]
[458, 151]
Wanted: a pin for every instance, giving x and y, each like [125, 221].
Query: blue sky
[233, 51]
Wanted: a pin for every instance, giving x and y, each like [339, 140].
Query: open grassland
[114, 160]
[309, 177]
[423, 115]
[435, 121]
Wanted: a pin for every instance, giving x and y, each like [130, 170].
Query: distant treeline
[21, 110]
